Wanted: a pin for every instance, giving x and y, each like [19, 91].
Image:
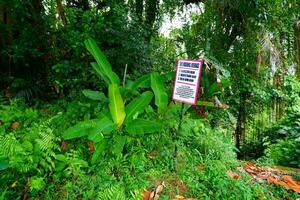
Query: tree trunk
[1, 39]
[6, 38]
[61, 12]
[151, 13]
[139, 9]
[239, 131]
[297, 40]
[37, 8]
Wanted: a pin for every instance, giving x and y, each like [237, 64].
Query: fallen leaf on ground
[250, 164]
[64, 145]
[180, 184]
[272, 180]
[250, 171]
[287, 182]
[178, 197]
[15, 125]
[160, 188]
[91, 146]
[262, 176]
[146, 195]
[292, 183]
[154, 195]
[201, 167]
[233, 175]
[276, 175]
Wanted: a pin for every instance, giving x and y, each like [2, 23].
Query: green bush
[285, 152]
[284, 141]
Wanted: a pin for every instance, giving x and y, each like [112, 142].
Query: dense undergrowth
[283, 145]
[69, 131]
[37, 163]
[277, 142]
[119, 145]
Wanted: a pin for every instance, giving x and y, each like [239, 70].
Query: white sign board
[187, 81]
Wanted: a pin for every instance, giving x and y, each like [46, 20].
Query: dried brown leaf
[147, 195]
[233, 175]
[15, 125]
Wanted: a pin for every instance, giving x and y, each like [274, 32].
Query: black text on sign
[187, 81]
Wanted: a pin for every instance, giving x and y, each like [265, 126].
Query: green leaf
[116, 105]
[126, 92]
[61, 157]
[60, 166]
[105, 68]
[161, 97]
[176, 107]
[100, 72]
[119, 142]
[231, 118]
[143, 82]
[61, 162]
[99, 149]
[37, 183]
[212, 90]
[4, 164]
[95, 95]
[225, 83]
[93, 126]
[169, 75]
[137, 105]
[216, 88]
[95, 137]
[105, 126]
[141, 126]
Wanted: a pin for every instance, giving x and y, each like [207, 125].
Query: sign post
[187, 81]
[186, 86]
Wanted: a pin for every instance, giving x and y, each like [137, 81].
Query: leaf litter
[271, 175]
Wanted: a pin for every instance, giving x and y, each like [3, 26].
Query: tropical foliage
[86, 108]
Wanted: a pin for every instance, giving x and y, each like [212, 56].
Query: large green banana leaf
[137, 105]
[119, 142]
[141, 126]
[161, 97]
[105, 67]
[95, 95]
[99, 149]
[89, 127]
[116, 104]
[100, 72]
[143, 81]
[95, 137]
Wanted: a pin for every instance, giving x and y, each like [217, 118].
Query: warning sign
[187, 81]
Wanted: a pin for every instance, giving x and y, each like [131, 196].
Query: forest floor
[285, 177]
[205, 166]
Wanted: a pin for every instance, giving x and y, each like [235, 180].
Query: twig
[124, 78]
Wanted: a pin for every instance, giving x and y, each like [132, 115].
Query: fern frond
[113, 192]
[9, 145]
[46, 139]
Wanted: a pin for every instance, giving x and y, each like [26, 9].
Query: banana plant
[111, 131]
